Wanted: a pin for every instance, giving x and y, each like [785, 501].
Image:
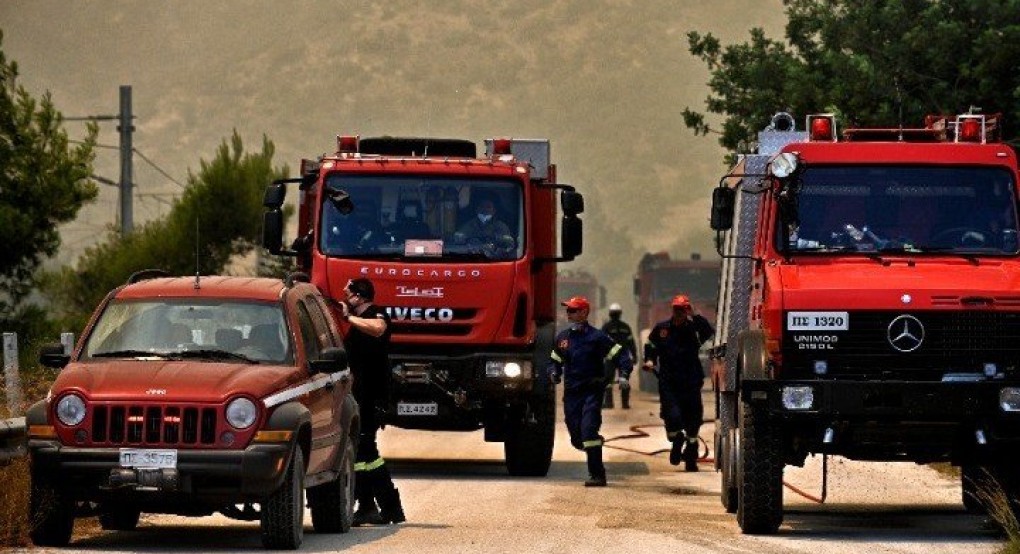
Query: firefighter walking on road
[577, 359]
[367, 342]
[621, 334]
[673, 345]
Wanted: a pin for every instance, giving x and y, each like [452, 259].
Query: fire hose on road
[636, 432]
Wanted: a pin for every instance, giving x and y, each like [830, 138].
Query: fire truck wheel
[529, 440]
[332, 503]
[727, 453]
[283, 512]
[53, 511]
[759, 473]
[118, 518]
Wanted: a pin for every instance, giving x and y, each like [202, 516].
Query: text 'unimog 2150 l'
[462, 251]
[870, 305]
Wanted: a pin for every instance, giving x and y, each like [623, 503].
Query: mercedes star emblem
[906, 333]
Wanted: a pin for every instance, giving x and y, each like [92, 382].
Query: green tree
[218, 216]
[873, 62]
[44, 181]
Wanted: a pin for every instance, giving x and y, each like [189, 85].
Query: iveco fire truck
[870, 305]
[462, 251]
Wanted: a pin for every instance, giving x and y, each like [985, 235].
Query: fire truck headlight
[1009, 399]
[798, 398]
[509, 369]
[784, 165]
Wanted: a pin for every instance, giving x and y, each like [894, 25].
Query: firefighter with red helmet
[577, 358]
[673, 345]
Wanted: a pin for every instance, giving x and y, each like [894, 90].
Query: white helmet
[615, 307]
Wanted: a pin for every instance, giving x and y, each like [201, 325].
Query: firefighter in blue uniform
[673, 345]
[577, 358]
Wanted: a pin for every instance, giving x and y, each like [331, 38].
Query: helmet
[615, 307]
[681, 301]
[577, 303]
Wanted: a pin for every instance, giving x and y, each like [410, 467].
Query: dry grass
[1003, 511]
[14, 518]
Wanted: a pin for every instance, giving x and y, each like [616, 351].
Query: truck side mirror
[571, 237]
[723, 201]
[275, 194]
[52, 356]
[331, 360]
[272, 231]
[571, 202]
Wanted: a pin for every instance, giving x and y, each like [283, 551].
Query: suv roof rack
[147, 274]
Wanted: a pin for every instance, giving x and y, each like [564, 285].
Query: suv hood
[171, 380]
[903, 283]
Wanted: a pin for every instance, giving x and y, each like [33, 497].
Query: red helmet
[681, 301]
[577, 303]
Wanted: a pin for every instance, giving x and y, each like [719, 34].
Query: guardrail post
[11, 377]
[67, 339]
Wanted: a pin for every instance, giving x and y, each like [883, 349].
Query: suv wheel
[118, 518]
[529, 444]
[332, 503]
[759, 473]
[53, 511]
[282, 517]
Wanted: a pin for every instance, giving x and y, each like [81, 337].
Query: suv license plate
[417, 409]
[148, 459]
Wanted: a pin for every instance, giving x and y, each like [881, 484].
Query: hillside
[604, 80]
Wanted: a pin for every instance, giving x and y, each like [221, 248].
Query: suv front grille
[132, 424]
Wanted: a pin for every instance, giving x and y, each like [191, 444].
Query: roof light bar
[502, 146]
[822, 127]
[347, 144]
[970, 128]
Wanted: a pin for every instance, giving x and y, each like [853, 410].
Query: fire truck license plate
[417, 409]
[817, 321]
[148, 459]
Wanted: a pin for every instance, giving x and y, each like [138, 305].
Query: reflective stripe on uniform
[615, 350]
[672, 434]
[369, 466]
[592, 444]
[556, 357]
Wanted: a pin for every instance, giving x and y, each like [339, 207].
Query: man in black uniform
[577, 358]
[674, 345]
[621, 334]
[367, 341]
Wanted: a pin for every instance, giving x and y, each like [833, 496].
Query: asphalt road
[458, 498]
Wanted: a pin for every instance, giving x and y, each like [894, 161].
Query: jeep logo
[156, 392]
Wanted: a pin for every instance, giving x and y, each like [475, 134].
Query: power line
[97, 145]
[157, 168]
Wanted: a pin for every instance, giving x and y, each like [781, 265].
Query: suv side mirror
[571, 202]
[52, 356]
[571, 237]
[331, 360]
[723, 201]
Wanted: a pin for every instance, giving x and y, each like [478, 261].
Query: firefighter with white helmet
[621, 334]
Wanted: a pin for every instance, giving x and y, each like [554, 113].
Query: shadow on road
[887, 523]
[495, 470]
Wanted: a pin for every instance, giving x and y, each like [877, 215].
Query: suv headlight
[510, 369]
[241, 413]
[71, 410]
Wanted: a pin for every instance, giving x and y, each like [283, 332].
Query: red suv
[191, 395]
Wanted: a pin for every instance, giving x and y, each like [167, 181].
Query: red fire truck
[659, 278]
[570, 283]
[462, 251]
[869, 306]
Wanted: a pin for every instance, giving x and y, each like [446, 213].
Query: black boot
[676, 451]
[596, 469]
[625, 397]
[390, 508]
[607, 400]
[691, 455]
[367, 512]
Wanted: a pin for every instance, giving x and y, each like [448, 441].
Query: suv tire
[759, 473]
[53, 511]
[332, 503]
[282, 518]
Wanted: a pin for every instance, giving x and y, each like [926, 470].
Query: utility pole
[126, 128]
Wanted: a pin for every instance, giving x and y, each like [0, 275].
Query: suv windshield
[178, 328]
[399, 216]
[905, 209]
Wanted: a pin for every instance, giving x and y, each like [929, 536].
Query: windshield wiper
[130, 354]
[947, 250]
[465, 256]
[214, 354]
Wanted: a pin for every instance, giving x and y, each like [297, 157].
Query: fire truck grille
[114, 424]
[908, 345]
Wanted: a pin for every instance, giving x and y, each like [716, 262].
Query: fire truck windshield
[913, 209]
[699, 284]
[427, 217]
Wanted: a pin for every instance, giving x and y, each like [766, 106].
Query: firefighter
[673, 345]
[621, 334]
[367, 343]
[577, 358]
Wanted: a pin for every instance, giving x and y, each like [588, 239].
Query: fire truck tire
[332, 503]
[282, 517]
[53, 511]
[529, 444]
[759, 473]
[727, 453]
[118, 518]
